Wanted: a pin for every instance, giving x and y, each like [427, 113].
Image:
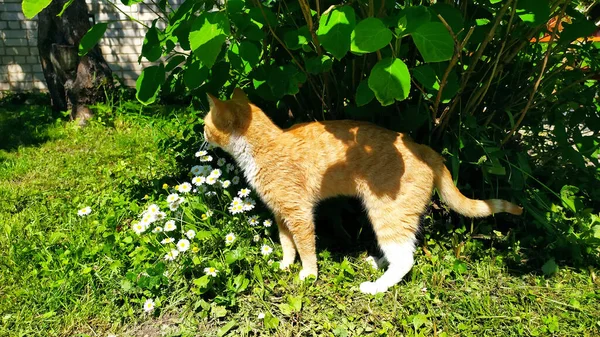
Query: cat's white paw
[304, 273]
[372, 288]
[284, 265]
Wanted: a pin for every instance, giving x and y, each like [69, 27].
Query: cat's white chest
[242, 152]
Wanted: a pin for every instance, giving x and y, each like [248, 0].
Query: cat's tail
[463, 205]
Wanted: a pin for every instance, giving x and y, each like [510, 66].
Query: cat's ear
[214, 103]
[239, 95]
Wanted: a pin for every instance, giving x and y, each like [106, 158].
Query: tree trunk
[73, 82]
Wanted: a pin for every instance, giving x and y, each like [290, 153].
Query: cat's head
[227, 118]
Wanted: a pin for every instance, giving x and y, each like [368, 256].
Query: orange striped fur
[293, 169]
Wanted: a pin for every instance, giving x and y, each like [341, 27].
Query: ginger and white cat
[293, 169]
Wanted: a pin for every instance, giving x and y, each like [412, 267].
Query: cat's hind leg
[400, 258]
[395, 226]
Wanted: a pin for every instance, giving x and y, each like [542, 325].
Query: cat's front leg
[287, 244]
[301, 226]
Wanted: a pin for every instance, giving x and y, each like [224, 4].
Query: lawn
[66, 275]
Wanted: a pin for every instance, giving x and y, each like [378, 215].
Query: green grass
[61, 275]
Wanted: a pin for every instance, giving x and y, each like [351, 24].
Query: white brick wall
[20, 68]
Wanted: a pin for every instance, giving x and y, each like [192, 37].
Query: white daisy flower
[205, 170]
[191, 234]
[173, 197]
[149, 305]
[201, 153]
[235, 209]
[152, 209]
[196, 170]
[157, 229]
[211, 271]
[211, 180]
[225, 183]
[235, 180]
[229, 167]
[170, 226]
[256, 238]
[206, 159]
[229, 238]
[185, 188]
[244, 192]
[268, 223]
[183, 245]
[147, 220]
[160, 215]
[221, 162]
[198, 180]
[249, 204]
[167, 241]
[174, 206]
[209, 213]
[261, 315]
[216, 173]
[138, 228]
[253, 220]
[266, 250]
[172, 255]
[84, 211]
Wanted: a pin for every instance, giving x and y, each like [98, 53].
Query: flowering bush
[206, 230]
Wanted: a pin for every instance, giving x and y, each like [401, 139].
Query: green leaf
[434, 42]
[550, 267]
[148, 84]
[335, 30]
[202, 282]
[258, 274]
[65, 6]
[131, 2]
[295, 303]
[91, 38]
[596, 230]
[533, 12]
[369, 35]
[235, 6]
[31, 8]
[364, 94]
[195, 74]
[425, 74]
[295, 39]
[174, 62]
[569, 198]
[259, 15]
[412, 18]
[271, 322]
[250, 53]
[579, 28]
[233, 256]
[451, 15]
[225, 328]
[208, 33]
[317, 65]
[390, 80]
[459, 267]
[419, 320]
[285, 80]
[151, 48]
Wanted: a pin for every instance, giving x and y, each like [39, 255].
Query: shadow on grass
[24, 121]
